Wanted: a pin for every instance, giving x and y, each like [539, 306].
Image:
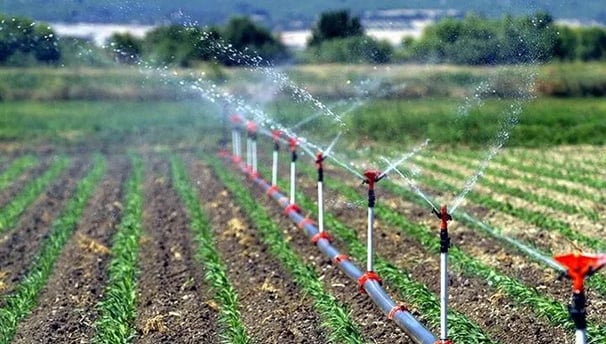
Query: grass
[94, 124]
[335, 317]
[461, 329]
[22, 300]
[15, 169]
[117, 310]
[9, 215]
[216, 272]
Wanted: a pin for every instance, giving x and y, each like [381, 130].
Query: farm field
[119, 222]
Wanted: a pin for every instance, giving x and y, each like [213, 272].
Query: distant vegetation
[337, 37]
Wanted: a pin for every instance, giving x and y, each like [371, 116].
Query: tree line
[336, 36]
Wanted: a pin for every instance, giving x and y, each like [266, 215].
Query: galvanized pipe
[274, 169]
[581, 337]
[400, 315]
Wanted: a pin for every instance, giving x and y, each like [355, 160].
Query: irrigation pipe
[397, 312]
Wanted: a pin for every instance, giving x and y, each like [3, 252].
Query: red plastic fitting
[319, 160]
[292, 207]
[318, 236]
[236, 159]
[272, 189]
[275, 134]
[292, 142]
[372, 176]
[340, 258]
[445, 217]
[251, 127]
[235, 119]
[397, 308]
[443, 341]
[580, 266]
[368, 276]
[305, 221]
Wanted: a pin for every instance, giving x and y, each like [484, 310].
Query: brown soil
[498, 315]
[17, 185]
[20, 244]
[65, 311]
[273, 308]
[174, 303]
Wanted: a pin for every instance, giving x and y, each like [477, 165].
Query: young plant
[216, 272]
[117, 310]
[22, 300]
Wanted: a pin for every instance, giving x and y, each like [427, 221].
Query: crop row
[569, 174]
[527, 215]
[525, 194]
[22, 300]
[216, 272]
[16, 169]
[335, 317]
[117, 309]
[533, 175]
[461, 329]
[541, 305]
[533, 217]
[30, 192]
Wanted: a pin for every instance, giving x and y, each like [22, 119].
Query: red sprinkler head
[292, 142]
[235, 119]
[443, 215]
[319, 159]
[372, 176]
[275, 134]
[251, 127]
[581, 266]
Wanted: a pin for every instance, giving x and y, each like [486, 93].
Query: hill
[285, 14]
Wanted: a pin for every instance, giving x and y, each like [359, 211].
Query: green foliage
[357, 49]
[117, 310]
[23, 41]
[9, 214]
[335, 316]
[177, 45]
[480, 41]
[22, 300]
[126, 47]
[216, 272]
[15, 169]
[245, 35]
[334, 25]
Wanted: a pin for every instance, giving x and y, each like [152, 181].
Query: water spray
[579, 267]
[236, 120]
[444, 216]
[223, 141]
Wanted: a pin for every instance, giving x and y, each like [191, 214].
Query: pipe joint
[368, 276]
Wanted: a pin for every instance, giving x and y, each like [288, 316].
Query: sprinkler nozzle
[251, 127]
[372, 176]
[443, 215]
[292, 142]
[236, 119]
[581, 266]
[275, 134]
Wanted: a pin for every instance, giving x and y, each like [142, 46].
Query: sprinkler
[292, 143]
[579, 267]
[251, 128]
[320, 157]
[236, 120]
[372, 177]
[275, 135]
[444, 245]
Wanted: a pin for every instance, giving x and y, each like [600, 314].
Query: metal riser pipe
[403, 319]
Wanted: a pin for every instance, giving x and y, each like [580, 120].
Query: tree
[245, 35]
[25, 38]
[125, 47]
[334, 25]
